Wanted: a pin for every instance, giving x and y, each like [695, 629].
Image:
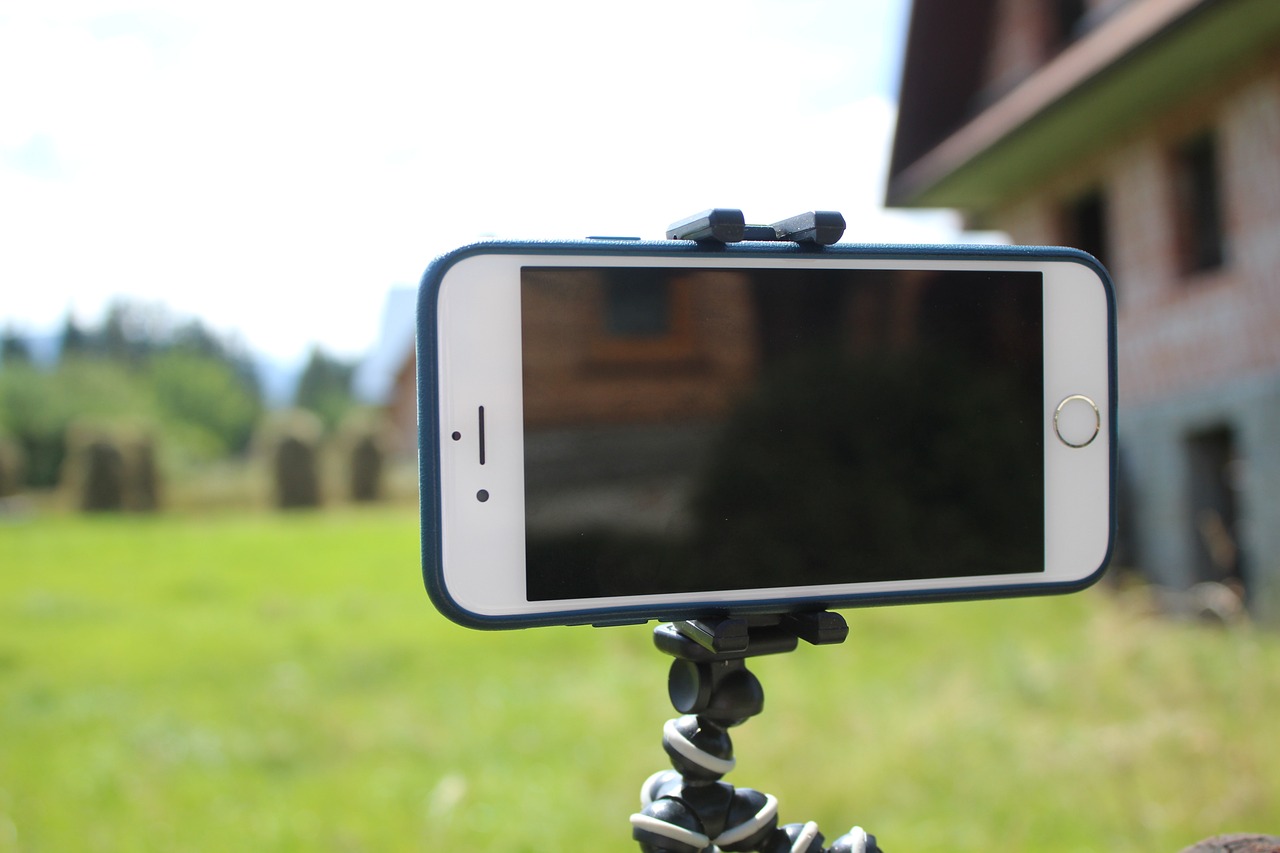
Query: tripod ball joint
[668, 825]
[726, 692]
[699, 749]
[680, 816]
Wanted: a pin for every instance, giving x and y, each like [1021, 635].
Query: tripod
[689, 809]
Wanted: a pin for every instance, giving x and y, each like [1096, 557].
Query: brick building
[1146, 132]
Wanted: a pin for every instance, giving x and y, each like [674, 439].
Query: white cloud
[275, 167]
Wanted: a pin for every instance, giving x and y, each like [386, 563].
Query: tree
[113, 341]
[75, 341]
[325, 387]
[206, 397]
[13, 348]
[138, 367]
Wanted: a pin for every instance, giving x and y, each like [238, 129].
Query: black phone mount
[688, 808]
[728, 225]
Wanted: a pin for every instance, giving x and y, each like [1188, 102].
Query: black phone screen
[721, 429]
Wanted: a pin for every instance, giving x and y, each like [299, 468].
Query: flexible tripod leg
[689, 809]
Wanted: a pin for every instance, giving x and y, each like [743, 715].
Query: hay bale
[290, 440]
[365, 463]
[297, 478]
[11, 468]
[96, 472]
[111, 467]
[142, 474]
[360, 453]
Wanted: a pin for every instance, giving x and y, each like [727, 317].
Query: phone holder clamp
[728, 225]
[688, 808]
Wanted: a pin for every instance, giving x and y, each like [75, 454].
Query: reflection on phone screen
[691, 430]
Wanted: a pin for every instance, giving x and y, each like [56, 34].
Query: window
[644, 321]
[1086, 224]
[1199, 205]
[1068, 16]
[1214, 500]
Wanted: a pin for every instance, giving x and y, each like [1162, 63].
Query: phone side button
[1077, 421]
[615, 623]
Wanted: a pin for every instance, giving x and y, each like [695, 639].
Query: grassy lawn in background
[282, 683]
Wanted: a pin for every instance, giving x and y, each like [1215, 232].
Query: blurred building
[386, 377]
[1148, 133]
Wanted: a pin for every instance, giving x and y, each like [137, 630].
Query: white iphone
[614, 431]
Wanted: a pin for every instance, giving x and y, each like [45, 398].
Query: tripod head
[709, 675]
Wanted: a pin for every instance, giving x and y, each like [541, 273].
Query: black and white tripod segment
[688, 809]
[747, 820]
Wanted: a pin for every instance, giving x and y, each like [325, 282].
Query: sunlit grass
[281, 683]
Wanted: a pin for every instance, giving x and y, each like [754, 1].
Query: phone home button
[1077, 421]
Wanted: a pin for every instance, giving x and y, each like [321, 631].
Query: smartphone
[613, 431]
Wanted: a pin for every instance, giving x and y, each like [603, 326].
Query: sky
[274, 168]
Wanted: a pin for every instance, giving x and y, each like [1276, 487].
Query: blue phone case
[429, 440]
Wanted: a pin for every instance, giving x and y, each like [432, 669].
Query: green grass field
[270, 683]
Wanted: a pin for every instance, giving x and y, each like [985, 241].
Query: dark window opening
[1198, 189]
[1068, 18]
[1215, 468]
[1086, 224]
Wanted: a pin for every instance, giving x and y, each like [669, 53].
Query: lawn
[268, 683]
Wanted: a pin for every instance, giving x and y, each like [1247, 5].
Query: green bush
[206, 399]
[38, 406]
[201, 407]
